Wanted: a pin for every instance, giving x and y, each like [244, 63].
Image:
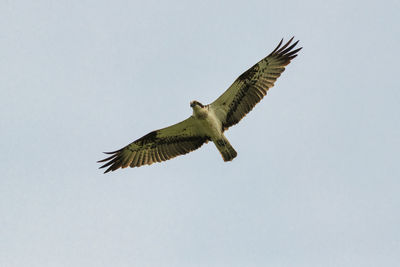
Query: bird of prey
[208, 122]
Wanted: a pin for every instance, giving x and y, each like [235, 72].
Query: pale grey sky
[316, 180]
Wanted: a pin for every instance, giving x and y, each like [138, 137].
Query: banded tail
[225, 148]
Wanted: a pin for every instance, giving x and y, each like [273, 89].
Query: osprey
[208, 122]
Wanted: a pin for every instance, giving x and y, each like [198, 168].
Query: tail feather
[225, 148]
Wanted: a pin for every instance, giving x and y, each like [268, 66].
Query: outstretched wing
[250, 87]
[157, 146]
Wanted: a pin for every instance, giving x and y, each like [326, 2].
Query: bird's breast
[200, 113]
[211, 125]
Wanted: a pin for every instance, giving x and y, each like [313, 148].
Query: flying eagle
[208, 122]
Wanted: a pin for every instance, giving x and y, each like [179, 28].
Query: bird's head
[195, 103]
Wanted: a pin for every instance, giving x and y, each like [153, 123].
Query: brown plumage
[250, 87]
[208, 122]
[157, 146]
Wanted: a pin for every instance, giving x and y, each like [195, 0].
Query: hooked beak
[192, 104]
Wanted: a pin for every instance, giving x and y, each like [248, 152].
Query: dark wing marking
[157, 146]
[250, 87]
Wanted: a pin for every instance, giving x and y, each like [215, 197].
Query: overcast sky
[316, 179]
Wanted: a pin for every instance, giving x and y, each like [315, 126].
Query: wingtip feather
[277, 47]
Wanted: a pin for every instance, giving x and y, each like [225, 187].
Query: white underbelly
[211, 126]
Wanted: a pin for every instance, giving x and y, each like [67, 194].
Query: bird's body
[211, 126]
[208, 122]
